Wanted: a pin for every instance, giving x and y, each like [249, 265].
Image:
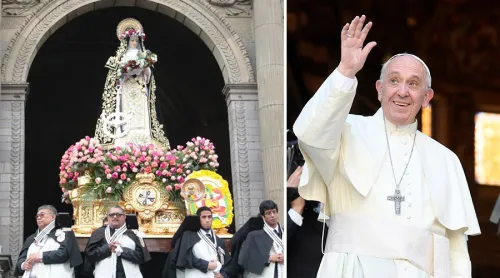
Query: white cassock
[104, 268]
[202, 250]
[41, 270]
[348, 169]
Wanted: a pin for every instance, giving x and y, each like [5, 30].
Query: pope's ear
[378, 86]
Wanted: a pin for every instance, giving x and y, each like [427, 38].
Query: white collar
[394, 129]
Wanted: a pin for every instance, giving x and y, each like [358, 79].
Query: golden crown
[129, 27]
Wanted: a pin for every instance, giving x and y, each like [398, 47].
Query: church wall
[245, 144]
[12, 167]
[243, 26]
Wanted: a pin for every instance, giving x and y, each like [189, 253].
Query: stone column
[268, 20]
[12, 104]
[246, 166]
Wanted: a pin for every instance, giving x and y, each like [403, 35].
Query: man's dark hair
[202, 209]
[267, 205]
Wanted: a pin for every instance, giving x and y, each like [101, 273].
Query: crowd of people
[116, 251]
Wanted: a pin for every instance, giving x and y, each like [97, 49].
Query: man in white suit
[398, 201]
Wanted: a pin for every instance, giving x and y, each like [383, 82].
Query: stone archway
[197, 15]
[202, 19]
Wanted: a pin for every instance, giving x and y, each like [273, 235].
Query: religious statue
[128, 107]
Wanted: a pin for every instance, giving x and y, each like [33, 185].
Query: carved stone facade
[225, 26]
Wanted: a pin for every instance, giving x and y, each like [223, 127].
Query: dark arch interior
[66, 82]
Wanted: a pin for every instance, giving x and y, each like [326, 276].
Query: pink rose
[135, 170]
[177, 186]
[203, 160]
[179, 170]
[114, 175]
[62, 181]
[163, 165]
[212, 164]
[107, 171]
[180, 179]
[124, 169]
[168, 188]
[108, 190]
[108, 176]
[158, 172]
[154, 164]
[123, 177]
[98, 180]
[128, 179]
[188, 172]
[164, 172]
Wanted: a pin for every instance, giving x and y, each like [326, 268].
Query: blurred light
[487, 148]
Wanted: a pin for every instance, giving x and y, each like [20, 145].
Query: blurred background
[459, 41]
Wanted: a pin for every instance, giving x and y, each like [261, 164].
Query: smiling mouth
[401, 104]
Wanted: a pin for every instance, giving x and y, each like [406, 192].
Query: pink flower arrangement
[112, 171]
[85, 154]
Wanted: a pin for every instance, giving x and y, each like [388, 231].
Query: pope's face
[403, 90]
[206, 220]
[44, 217]
[271, 217]
[134, 41]
[116, 218]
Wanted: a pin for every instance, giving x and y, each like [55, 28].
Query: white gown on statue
[133, 102]
[354, 178]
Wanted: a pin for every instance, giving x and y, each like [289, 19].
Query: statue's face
[134, 41]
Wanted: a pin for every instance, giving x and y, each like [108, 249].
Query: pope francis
[398, 201]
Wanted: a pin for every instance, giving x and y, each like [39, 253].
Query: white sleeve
[460, 264]
[319, 128]
[322, 118]
[296, 217]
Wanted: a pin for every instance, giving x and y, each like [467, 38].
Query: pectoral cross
[397, 198]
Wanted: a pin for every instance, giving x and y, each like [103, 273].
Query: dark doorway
[66, 83]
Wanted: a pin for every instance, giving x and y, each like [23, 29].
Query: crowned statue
[129, 100]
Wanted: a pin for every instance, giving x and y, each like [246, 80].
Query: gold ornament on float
[193, 190]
